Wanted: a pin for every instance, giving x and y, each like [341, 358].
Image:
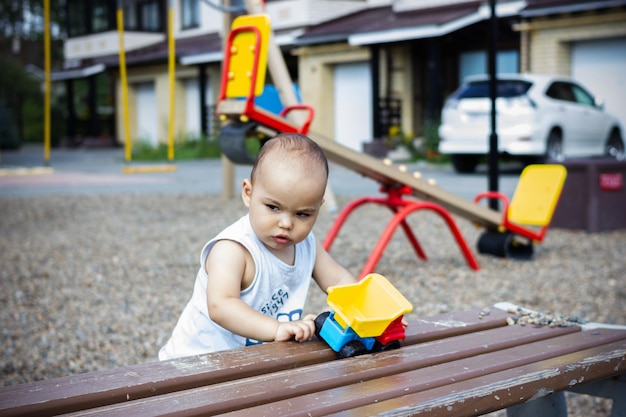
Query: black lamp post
[493, 135]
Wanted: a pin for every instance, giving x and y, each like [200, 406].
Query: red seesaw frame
[402, 208]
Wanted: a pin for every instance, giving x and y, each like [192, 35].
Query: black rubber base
[232, 139]
[505, 245]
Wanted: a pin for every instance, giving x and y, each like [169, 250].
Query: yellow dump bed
[368, 306]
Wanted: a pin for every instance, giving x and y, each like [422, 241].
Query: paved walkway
[96, 170]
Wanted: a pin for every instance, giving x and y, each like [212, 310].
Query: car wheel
[465, 164]
[554, 147]
[615, 146]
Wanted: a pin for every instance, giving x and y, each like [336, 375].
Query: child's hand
[301, 330]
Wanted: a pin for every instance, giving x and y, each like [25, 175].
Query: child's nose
[285, 221]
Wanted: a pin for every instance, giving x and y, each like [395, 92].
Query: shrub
[186, 147]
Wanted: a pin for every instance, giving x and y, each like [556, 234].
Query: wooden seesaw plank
[377, 170]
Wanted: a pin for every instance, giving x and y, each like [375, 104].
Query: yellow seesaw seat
[536, 196]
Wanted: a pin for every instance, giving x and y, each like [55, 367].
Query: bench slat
[66, 394]
[597, 349]
[96, 389]
[452, 324]
[257, 390]
[504, 389]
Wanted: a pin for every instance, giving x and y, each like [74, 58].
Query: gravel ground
[96, 282]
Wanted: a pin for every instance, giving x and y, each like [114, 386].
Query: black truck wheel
[379, 347]
[352, 348]
[319, 322]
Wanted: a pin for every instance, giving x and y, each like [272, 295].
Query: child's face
[284, 202]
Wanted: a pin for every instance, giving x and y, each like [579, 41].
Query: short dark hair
[292, 142]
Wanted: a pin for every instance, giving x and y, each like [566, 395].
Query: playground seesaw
[243, 79]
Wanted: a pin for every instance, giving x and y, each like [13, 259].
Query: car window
[506, 88]
[561, 91]
[582, 96]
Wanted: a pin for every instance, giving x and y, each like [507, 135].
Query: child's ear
[246, 192]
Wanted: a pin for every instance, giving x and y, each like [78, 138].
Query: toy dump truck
[365, 317]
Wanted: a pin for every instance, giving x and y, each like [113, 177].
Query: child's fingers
[306, 329]
[301, 330]
[310, 317]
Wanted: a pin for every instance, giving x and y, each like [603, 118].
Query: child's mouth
[283, 240]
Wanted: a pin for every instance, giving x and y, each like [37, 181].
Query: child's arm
[230, 269]
[327, 272]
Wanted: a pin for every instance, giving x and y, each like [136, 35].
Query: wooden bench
[462, 363]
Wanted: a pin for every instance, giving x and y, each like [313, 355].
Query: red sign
[611, 181]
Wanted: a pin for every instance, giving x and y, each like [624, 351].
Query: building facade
[370, 68]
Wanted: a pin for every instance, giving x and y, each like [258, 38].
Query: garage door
[601, 66]
[147, 120]
[192, 106]
[353, 105]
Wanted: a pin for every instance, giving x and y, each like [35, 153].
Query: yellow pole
[172, 76]
[46, 105]
[128, 147]
[228, 168]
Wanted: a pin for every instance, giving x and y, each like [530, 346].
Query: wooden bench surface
[461, 361]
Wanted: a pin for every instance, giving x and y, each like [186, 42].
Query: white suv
[539, 117]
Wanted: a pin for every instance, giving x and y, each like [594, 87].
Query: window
[150, 17]
[505, 88]
[87, 17]
[84, 17]
[561, 91]
[582, 96]
[99, 16]
[471, 63]
[190, 14]
[130, 17]
[77, 25]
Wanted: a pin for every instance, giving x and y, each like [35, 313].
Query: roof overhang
[204, 58]
[434, 30]
[281, 39]
[68, 74]
[286, 38]
[550, 9]
[313, 40]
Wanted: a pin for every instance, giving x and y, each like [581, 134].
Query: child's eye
[304, 215]
[271, 207]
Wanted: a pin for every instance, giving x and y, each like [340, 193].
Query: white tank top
[278, 290]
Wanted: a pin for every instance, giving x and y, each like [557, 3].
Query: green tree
[21, 47]
[24, 19]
